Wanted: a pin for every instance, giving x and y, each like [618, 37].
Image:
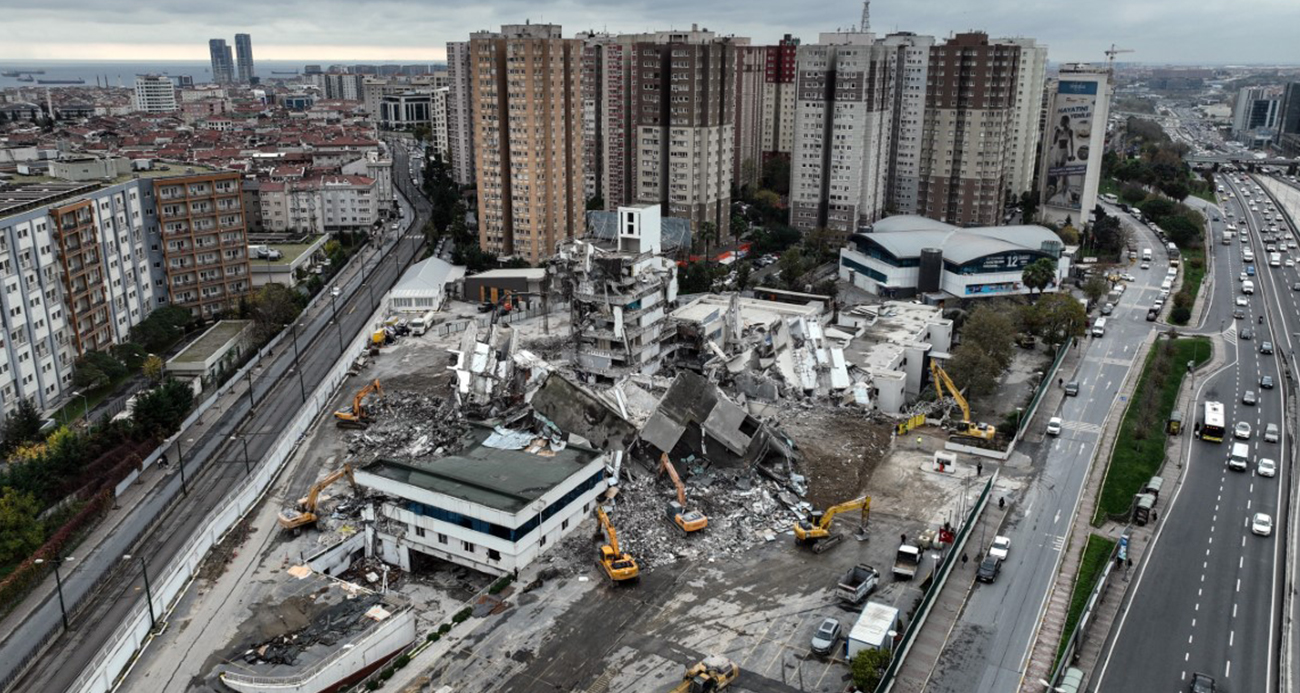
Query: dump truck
[907, 561]
[860, 581]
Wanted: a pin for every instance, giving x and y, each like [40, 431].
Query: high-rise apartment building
[223, 64]
[607, 118]
[204, 241]
[1255, 115]
[1074, 139]
[966, 145]
[911, 70]
[1026, 135]
[684, 91]
[460, 121]
[438, 122]
[1288, 121]
[155, 94]
[244, 53]
[839, 166]
[765, 106]
[526, 101]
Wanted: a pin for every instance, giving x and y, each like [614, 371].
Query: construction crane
[969, 429]
[355, 416]
[815, 530]
[713, 673]
[688, 520]
[304, 513]
[619, 566]
[1110, 57]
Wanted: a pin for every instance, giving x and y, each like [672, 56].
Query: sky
[1159, 31]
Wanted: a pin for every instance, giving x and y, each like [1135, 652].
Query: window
[494, 555]
[419, 531]
[564, 525]
[442, 538]
[467, 546]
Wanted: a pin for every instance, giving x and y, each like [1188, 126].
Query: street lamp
[148, 594]
[58, 581]
[85, 404]
[248, 467]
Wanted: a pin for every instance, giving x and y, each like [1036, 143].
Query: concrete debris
[408, 425]
[330, 625]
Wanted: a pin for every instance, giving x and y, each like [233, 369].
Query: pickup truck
[906, 562]
[860, 581]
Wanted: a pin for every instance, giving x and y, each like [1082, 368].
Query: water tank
[931, 270]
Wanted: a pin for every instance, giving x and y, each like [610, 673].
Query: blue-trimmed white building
[903, 256]
[494, 509]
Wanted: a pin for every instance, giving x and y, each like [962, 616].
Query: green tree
[1095, 287]
[868, 667]
[159, 412]
[792, 268]
[974, 369]
[695, 278]
[991, 328]
[1132, 194]
[1069, 235]
[1156, 209]
[20, 528]
[743, 276]
[1039, 274]
[161, 329]
[1028, 207]
[21, 426]
[153, 368]
[274, 306]
[1058, 317]
[776, 175]
[767, 200]
[1182, 231]
[595, 203]
[87, 376]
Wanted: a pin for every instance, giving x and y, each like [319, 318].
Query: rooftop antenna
[866, 16]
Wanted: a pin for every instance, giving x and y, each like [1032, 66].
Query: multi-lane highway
[1208, 593]
[214, 462]
[990, 643]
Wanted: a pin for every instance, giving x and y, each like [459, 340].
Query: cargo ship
[60, 81]
[19, 73]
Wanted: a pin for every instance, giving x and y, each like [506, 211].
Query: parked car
[989, 569]
[1054, 426]
[1000, 548]
[823, 641]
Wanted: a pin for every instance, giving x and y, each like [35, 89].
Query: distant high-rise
[154, 94]
[460, 123]
[223, 65]
[526, 100]
[1288, 122]
[244, 52]
[1073, 142]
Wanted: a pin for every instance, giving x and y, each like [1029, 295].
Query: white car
[1054, 426]
[1289, 262]
[1242, 430]
[1000, 548]
[1243, 301]
[1261, 524]
[1266, 467]
[1241, 277]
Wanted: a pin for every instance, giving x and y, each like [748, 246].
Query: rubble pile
[744, 509]
[334, 623]
[409, 426]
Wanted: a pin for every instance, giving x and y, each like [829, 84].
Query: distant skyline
[1160, 31]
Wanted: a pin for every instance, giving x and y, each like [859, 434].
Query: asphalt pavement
[1207, 594]
[1000, 619]
[214, 466]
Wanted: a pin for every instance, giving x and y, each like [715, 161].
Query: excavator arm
[609, 529]
[940, 375]
[667, 466]
[863, 504]
[305, 513]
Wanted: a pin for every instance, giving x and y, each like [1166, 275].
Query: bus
[1212, 424]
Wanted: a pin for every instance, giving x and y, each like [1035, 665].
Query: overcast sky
[1161, 31]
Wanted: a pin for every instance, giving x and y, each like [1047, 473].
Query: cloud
[1159, 30]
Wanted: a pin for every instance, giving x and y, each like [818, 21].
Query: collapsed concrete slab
[696, 418]
[576, 410]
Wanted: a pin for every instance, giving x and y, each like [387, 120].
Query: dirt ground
[840, 450]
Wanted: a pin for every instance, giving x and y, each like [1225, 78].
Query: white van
[1227, 237]
[1275, 259]
[1247, 255]
[1146, 254]
[1239, 458]
[1248, 287]
[1099, 327]
[421, 324]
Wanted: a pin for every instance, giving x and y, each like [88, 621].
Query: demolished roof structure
[695, 419]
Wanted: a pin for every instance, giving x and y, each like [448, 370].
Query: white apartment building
[460, 122]
[840, 162]
[438, 122]
[155, 94]
[1026, 119]
[912, 64]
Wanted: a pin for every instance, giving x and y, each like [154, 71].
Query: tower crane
[1110, 57]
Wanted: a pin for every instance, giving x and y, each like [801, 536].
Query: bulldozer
[713, 673]
[304, 513]
[815, 530]
[355, 416]
[619, 566]
[967, 430]
[688, 520]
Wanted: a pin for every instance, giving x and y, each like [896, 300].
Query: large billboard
[1070, 131]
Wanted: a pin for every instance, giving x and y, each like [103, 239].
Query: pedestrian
[902, 538]
[1060, 382]
[1002, 502]
[979, 468]
[963, 560]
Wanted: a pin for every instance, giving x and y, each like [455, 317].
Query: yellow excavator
[355, 416]
[688, 520]
[619, 566]
[968, 429]
[304, 513]
[815, 530]
[713, 673]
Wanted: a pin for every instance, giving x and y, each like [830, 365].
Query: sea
[122, 73]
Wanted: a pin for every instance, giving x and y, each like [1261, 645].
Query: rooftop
[905, 236]
[35, 193]
[753, 311]
[291, 252]
[530, 273]
[506, 480]
[210, 342]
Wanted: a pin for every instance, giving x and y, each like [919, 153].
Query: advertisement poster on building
[1070, 125]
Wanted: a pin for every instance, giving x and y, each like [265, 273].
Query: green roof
[291, 252]
[217, 336]
[506, 480]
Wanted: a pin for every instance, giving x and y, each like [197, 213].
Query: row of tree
[988, 335]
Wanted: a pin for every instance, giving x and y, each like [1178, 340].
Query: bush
[444, 628]
[462, 615]
[372, 685]
[433, 637]
[502, 583]
[1181, 314]
[386, 674]
[401, 661]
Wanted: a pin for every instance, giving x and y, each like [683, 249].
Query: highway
[988, 648]
[214, 465]
[1207, 595]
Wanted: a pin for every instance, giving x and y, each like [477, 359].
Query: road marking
[1227, 669]
[1057, 518]
[1230, 634]
[1241, 562]
[1238, 585]
[1234, 609]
